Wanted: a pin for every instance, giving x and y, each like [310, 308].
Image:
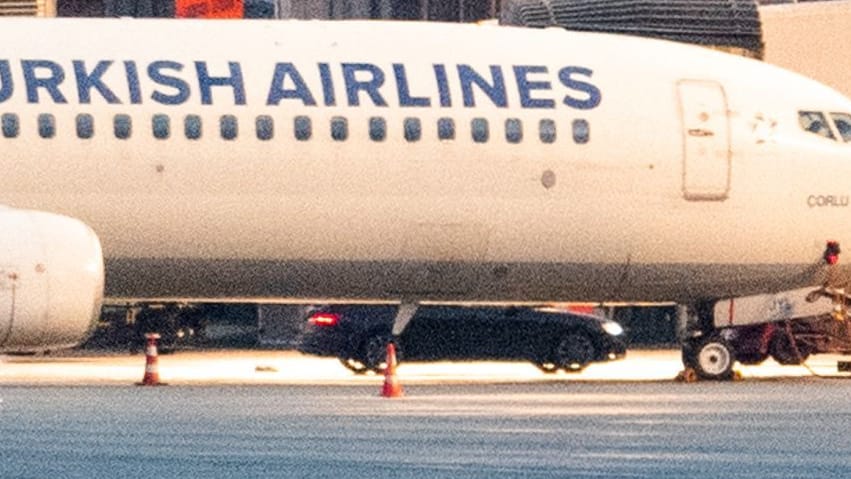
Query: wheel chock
[687, 375]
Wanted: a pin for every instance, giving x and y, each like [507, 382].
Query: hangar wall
[811, 38]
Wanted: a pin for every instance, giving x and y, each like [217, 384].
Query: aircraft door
[8, 280]
[706, 140]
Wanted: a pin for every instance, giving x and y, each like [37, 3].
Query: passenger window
[413, 129]
[815, 122]
[547, 131]
[303, 128]
[122, 126]
[228, 127]
[843, 125]
[265, 127]
[581, 131]
[339, 128]
[513, 130]
[161, 126]
[46, 125]
[480, 130]
[192, 127]
[11, 125]
[85, 126]
[377, 128]
[446, 129]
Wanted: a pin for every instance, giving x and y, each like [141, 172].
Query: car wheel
[354, 365]
[786, 353]
[574, 352]
[374, 352]
[548, 367]
[751, 358]
[711, 357]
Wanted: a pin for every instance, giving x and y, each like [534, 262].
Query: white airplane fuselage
[676, 173]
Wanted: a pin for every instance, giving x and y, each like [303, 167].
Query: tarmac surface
[235, 414]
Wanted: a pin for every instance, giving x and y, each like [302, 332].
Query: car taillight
[324, 319]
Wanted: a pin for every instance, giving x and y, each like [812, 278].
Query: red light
[831, 252]
[324, 319]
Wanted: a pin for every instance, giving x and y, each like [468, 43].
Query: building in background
[27, 8]
[435, 10]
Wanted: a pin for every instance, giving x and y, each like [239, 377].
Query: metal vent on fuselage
[731, 25]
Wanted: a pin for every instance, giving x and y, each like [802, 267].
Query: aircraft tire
[711, 357]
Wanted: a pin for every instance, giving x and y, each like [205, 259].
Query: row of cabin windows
[264, 127]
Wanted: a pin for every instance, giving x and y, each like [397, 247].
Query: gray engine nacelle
[51, 281]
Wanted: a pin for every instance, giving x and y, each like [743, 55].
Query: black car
[552, 339]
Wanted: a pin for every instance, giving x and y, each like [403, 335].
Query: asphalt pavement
[248, 414]
[794, 427]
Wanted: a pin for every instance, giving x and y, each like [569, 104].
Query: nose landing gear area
[708, 358]
[713, 357]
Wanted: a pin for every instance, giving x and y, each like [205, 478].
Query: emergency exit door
[706, 140]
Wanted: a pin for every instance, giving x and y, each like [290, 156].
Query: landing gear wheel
[711, 357]
[574, 352]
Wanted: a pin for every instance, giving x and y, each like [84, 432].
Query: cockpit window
[815, 122]
[843, 125]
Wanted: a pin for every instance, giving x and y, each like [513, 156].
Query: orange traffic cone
[152, 371]
[392, 388]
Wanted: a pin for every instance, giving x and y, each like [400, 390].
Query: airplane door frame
[8, 289]
[706, 140]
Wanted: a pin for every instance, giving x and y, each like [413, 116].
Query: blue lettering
[133, 82]
[206, 82]
[6, 86]
[354, 86]
[277, 92]
[495, 91]
[442, 85]
[50, 83]
[525, 87]
[181, 87]
[405, 98]
[327, 85]
[566, 75]
[87, 81]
